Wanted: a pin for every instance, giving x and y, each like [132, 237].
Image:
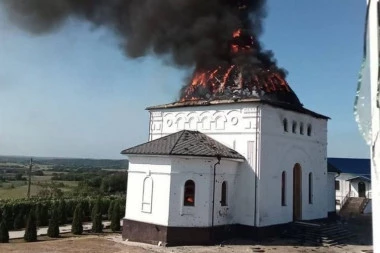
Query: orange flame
[236, 34]
[214, 82]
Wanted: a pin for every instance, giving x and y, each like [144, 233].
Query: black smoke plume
[190, 33]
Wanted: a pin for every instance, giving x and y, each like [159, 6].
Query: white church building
[225, 168]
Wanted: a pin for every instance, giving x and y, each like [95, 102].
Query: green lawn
[18, 192]
[41, 179]
[20, 188]
[68, 184]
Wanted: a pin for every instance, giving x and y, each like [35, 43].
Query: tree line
[56, 215]
[15, 212]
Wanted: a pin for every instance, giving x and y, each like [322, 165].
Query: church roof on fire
[184, 143]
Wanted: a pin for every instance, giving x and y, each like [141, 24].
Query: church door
[297, 192]
[361, 187]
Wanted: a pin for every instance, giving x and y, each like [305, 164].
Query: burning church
[238, 153]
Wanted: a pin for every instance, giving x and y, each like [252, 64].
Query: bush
[7, 216]
[110, 210]
[77, 227]
[115, 219]
[97, 226]
[4, 235]
[12, 208]
[31, 228]
[42, 214]
[19, 220]
[113, 183]
[62, 213]
[38, 173]
[38, 214]
[18, 177]
[53, 230]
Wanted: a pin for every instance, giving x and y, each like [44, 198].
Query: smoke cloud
[187, 32]
[200, 34]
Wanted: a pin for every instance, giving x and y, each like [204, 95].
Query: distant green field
[12, 166]
[69, 184]
[18, 192]
[19, 189]
[41, 178]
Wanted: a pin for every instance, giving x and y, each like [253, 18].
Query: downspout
[213, 197]
[256, 161]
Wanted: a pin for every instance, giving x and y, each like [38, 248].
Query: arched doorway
[297, 192]
[361, 186]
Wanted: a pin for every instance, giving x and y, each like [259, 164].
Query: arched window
[146, 204]
[294, 127]
[301, 129]
[189, 193]
[285, 123]
[283, 188]
[223, 200]
[310, 188]
[309, 130]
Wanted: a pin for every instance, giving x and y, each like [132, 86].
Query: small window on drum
[309, 130]
[294, 127]
[189, 193]
[285, 125]
[301, 129]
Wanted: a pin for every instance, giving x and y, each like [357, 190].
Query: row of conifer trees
[16, 212]
[30, 235]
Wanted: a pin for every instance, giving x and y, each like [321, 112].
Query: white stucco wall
[201, 172]
[280, 151]
[234, 125]
[158, 169]
[344, 188]
[168, 176]
[256, 131]
[331, 205]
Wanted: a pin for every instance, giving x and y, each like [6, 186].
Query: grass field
[19, 189]
[18, 192]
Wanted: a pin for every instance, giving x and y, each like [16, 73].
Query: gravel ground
[112, 243]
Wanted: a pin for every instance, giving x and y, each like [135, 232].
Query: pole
[373, 37]
[30, 176]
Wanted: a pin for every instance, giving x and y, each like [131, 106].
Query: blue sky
[74, 94]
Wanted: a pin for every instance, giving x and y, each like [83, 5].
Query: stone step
[318, 234]
[331, 228]
[307, 224]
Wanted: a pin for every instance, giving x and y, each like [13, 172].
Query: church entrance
[361, 189]
[297, 192]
